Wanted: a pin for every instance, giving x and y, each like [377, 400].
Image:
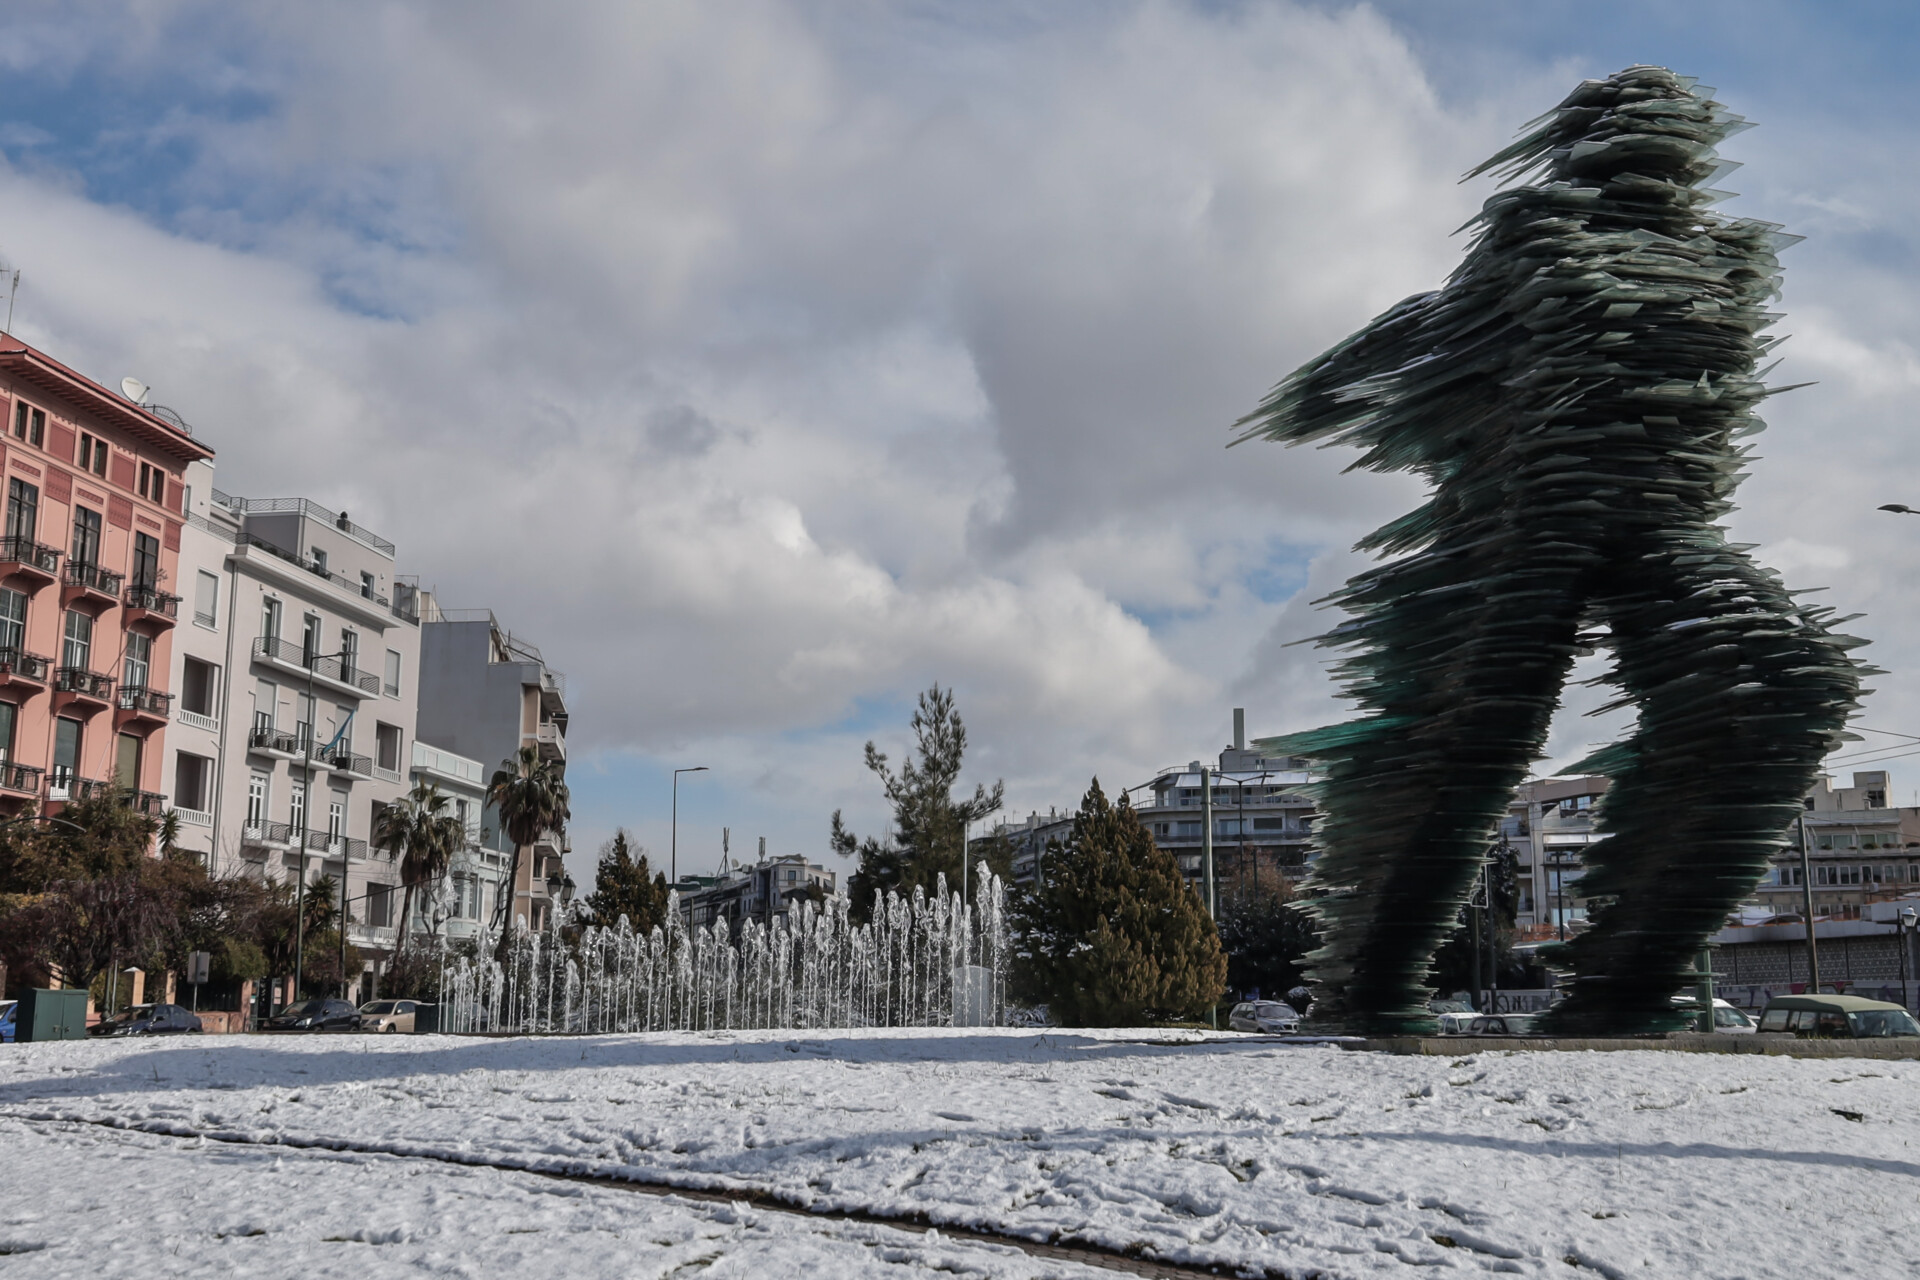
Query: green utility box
[52, 1015]
[426, 1019]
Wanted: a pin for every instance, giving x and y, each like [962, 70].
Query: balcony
[20, 780]
[64, 784]
[17, 666]
[25, 558]
[83, 688]
[138, 704]
[150, 604]
[90, 584]
[551, 740]
[280, 744]
[328, 673]
[266, 835]
[332, 846]
[151, 803]
[348, 765]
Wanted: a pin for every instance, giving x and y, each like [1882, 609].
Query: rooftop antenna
[726, 836]
[135, 390]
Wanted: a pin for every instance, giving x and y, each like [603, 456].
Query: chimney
[1239, 728]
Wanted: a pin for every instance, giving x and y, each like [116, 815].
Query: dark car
[315, 1015]
[147, 1020]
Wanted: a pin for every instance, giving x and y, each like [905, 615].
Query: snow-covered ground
[1300, 1161]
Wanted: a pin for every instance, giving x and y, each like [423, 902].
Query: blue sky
[765, 362]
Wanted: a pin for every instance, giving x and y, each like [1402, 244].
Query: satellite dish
[135, 390]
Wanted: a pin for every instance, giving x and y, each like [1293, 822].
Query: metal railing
[151, 803]
[153, 600]
[266, 833]
[145, 701]
[64, 784]
[326, 667]
[92, 577]
[23, 778]
[267, 738]
[85, 683]
[18, 550]
[309, 508]
[334, 846]
[349, 762]
[25, 666]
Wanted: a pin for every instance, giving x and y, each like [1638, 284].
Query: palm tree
[530, 795]
[424, 836]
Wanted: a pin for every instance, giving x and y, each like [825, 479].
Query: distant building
[484, 694]
[1860, 851]
[770, 887]
[1548, 827]
[478, 872]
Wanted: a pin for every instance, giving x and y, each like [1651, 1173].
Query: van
[1836, 1017]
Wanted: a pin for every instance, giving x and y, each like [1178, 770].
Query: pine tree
[1115, 936]
[929, 837]
[624, 885]
[1266, 939]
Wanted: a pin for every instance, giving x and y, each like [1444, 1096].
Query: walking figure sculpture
[1573, 395]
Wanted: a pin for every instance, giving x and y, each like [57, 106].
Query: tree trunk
[501, 947]
[406, 914]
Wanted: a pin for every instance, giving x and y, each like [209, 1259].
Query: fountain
[919, 962]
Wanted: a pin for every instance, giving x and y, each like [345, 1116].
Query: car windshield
[1883, 1022]
[311, 1009]
[138, 1013]
[1731, 1018]
[1268, 1009]
[378, 1006]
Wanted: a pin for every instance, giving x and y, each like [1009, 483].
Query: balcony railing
[22, 665]
[347, 762]
[153, 600]
[91, 577]
[334, 846]
[151, 803]
[327, 668]
[83, 683]
[267, 834]
[21, 778]
[64, 784]
[145, 702]
[30, 555]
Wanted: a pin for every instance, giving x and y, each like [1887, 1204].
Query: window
[23, 509]
[320, 559]
[303, 718]
[387, 740]
[206, 599]
[66, 752]
[1269, 824]
[139, 663]
[337, 815]
[297, 809]
[256, 799]
[270, 619]
[29, 423]
[86, 537]
[380, 905]
[393, 673]
[126, 761]
[192, 776]
[366, 586]
[310, 640]
[9, 713]
[77, 652]
[1876, 799]
[146, 561]
[266, 704]
[153, 484]
[349, 652]
[198, 680]
[13, 620]
[93, 454]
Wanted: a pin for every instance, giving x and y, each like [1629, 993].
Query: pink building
[88, 574]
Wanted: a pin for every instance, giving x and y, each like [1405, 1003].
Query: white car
[1727, 1019]
[387, 1015]
[1264, 1016]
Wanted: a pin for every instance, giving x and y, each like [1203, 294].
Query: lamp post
[1806, 900]
[673, 840]
[1905, 924]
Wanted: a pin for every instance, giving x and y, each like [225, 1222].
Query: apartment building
[478, 871]
[1861, 850]
[1548, 827]
[297, 670]
[485, 693]
[769, 889]
[88, 567]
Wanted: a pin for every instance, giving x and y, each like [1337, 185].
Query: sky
[765, 362]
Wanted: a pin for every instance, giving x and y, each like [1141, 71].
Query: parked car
[9, 1020]
[1456, 1022]
[1836, 1017]
[147, 1020]
[1727, 1019]
[315, 1015]
[387, 1015]
[1268, 1016]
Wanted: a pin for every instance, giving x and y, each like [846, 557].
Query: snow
[1227, 1151]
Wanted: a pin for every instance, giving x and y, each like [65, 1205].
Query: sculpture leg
[1465, 658]
[1742, 694]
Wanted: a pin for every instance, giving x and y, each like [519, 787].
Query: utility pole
[1806, 900]
[1206, 862]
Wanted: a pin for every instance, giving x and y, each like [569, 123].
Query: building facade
[484, 694]
[89, 604]
[1860, 851]
[479, 870]
[298, 673]
[764, 891]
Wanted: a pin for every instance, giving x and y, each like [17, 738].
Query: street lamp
[1905, 925]
[673, 845]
